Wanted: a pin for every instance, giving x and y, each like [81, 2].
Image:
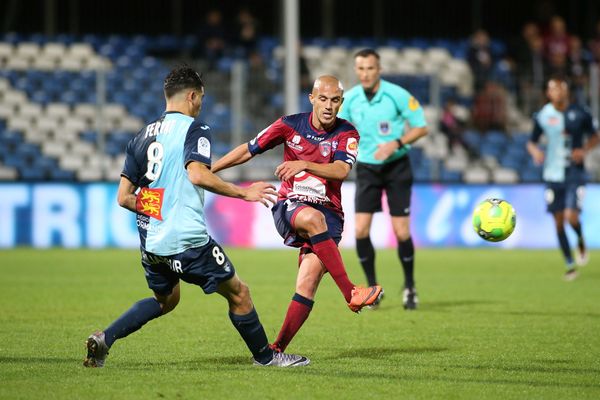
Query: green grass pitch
[492, 324]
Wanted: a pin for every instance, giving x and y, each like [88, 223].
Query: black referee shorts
[394, 177]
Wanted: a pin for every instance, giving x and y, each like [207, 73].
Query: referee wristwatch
[400, 143]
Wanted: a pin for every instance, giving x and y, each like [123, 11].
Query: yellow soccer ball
[494, 219]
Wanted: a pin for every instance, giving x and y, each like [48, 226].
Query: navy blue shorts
[205, 266]
[560, 196]
[394, 177]
[284, 214]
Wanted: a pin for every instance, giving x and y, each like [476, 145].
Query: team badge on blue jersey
[384, 128]
[325, 148]
[149, 202]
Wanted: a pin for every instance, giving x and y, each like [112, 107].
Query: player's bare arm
[579, 154]
[338, 170]
[385, 150]
[535, 152]
[237, 156]
[126, 194]
[199, 174]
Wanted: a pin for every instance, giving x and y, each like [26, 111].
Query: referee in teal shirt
[379, 110]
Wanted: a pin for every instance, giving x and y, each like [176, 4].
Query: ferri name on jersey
[309, 188]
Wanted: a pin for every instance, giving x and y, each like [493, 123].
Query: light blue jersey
[170, 208]
[382, 119]
[564, 132]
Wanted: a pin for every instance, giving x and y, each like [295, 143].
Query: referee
[379, 110]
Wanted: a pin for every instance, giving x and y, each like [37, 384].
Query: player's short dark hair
[558, 78]
[180, 78]
[367, 53]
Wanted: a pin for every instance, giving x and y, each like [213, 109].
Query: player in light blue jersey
[167, 169]
[566, 127]
[380, 109]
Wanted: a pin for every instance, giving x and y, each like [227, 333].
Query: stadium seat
[8, 173]
[504, 175]
[450, 176]
[32, 174]
[476, 174]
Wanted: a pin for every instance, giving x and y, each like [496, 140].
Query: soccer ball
[494, 219]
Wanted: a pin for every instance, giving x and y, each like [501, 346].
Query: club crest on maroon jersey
[325, 148]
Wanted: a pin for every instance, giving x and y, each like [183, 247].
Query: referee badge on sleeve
[385, 128]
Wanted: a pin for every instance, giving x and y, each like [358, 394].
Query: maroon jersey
[303, 142]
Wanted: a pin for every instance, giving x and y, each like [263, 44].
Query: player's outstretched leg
[357, 297]
[245, 319]
[97, 350]
[364, 296]
[284, 360]
[133, 319]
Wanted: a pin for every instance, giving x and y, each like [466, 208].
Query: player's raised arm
[199, 174]
[237, 156]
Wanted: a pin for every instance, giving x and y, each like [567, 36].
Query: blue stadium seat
[65, 39]
[41, 97]
[11, 139]
[473, 139]
[422, 174]
[32, 174]
[28, 151]
[512, 161]
[89, 136]
[495, 138]
[450, 176]
[93, 40]
[531, 174]
[38, 38]
[13, 37]
[58, 174]
[14, 160]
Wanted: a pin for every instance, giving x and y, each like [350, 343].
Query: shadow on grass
[39, 360]
[543, 366]
[447, 305]
[442, 375]
[378, 353]
[573, 314]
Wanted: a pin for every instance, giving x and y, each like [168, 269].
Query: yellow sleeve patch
[413, 103]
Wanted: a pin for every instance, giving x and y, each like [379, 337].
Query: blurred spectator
[578, 69]
[260, 91]
[594, 44]
[556, 43]
[452, 124]
[528, 53]
[557, 64]
[306, 81]
[490, 108]
[247, 32]
[480, 58]
[213, 38]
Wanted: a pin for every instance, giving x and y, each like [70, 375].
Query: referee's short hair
[180, 78]
[367, 53]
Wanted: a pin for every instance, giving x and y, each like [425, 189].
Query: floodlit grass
[491, 324]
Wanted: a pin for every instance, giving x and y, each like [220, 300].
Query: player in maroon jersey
[319, 152]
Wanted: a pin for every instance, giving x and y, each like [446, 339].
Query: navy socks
[253, 333]
[132, 320]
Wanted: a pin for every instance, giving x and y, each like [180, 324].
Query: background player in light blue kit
[169, 161]
[379, 110]
[565, 126]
